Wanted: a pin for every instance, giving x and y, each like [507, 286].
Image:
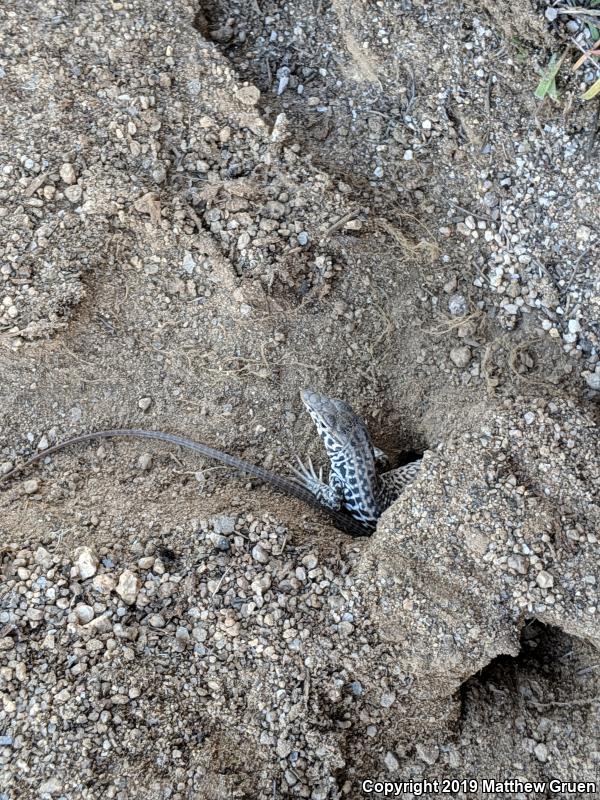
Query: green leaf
[595, 33]
[547, 86]
[592, 91]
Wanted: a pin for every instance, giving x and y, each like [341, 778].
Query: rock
[290, 778]
[458, 306]
[518, 563]
[391, 762]
[182, 634]
[84, 613]
[145, 461]
[68, 174]
[387, 699]
[283, 748]
[593, 380]
[219, 542]
[260, 554]
[222, 35]
[87, 563]
[104, 583]
[144, 403]
[248, 95]
[51, 786]
[74, 193]
[461, 356]
[544, 580]
[541, 752]
[428, 753]
[31, 486]
[128, 587]
[223, 524]
[43, 558]
[310, 561]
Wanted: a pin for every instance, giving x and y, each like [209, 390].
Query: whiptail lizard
[354, 484]
[355, 495]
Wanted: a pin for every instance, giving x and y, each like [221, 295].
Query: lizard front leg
[394, 482]
[329, 494]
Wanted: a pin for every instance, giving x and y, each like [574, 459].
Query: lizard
[354, 484]
[351, 500]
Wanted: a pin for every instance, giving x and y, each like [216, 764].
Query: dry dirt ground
[204, 208]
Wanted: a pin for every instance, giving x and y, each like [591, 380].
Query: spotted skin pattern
[354, 484]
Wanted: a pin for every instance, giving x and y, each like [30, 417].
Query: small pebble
[387, 699]
[458, 306]
[391, 762]
[428, 753]
[541, 752]
[544, 580]
[223, 524]
[87, 563]
[73, 193]
[260, 554]
[145, 461]
[68, 174]
[84, 613]
[461, 356]
[128, 587]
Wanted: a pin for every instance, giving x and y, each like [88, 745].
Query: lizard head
[337, 424]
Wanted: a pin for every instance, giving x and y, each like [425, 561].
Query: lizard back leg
[329, 494]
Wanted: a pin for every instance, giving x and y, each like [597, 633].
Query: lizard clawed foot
[306, 475]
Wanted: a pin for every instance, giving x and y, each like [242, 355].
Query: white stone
[541, 752]
[391, 762]
[259, 554]
[68, 174]
[544, 580]
[518, 564]
[84, 613]
[128, 587]
[87, 563]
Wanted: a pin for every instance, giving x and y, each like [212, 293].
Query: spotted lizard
[354, 484]
[355, 495]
